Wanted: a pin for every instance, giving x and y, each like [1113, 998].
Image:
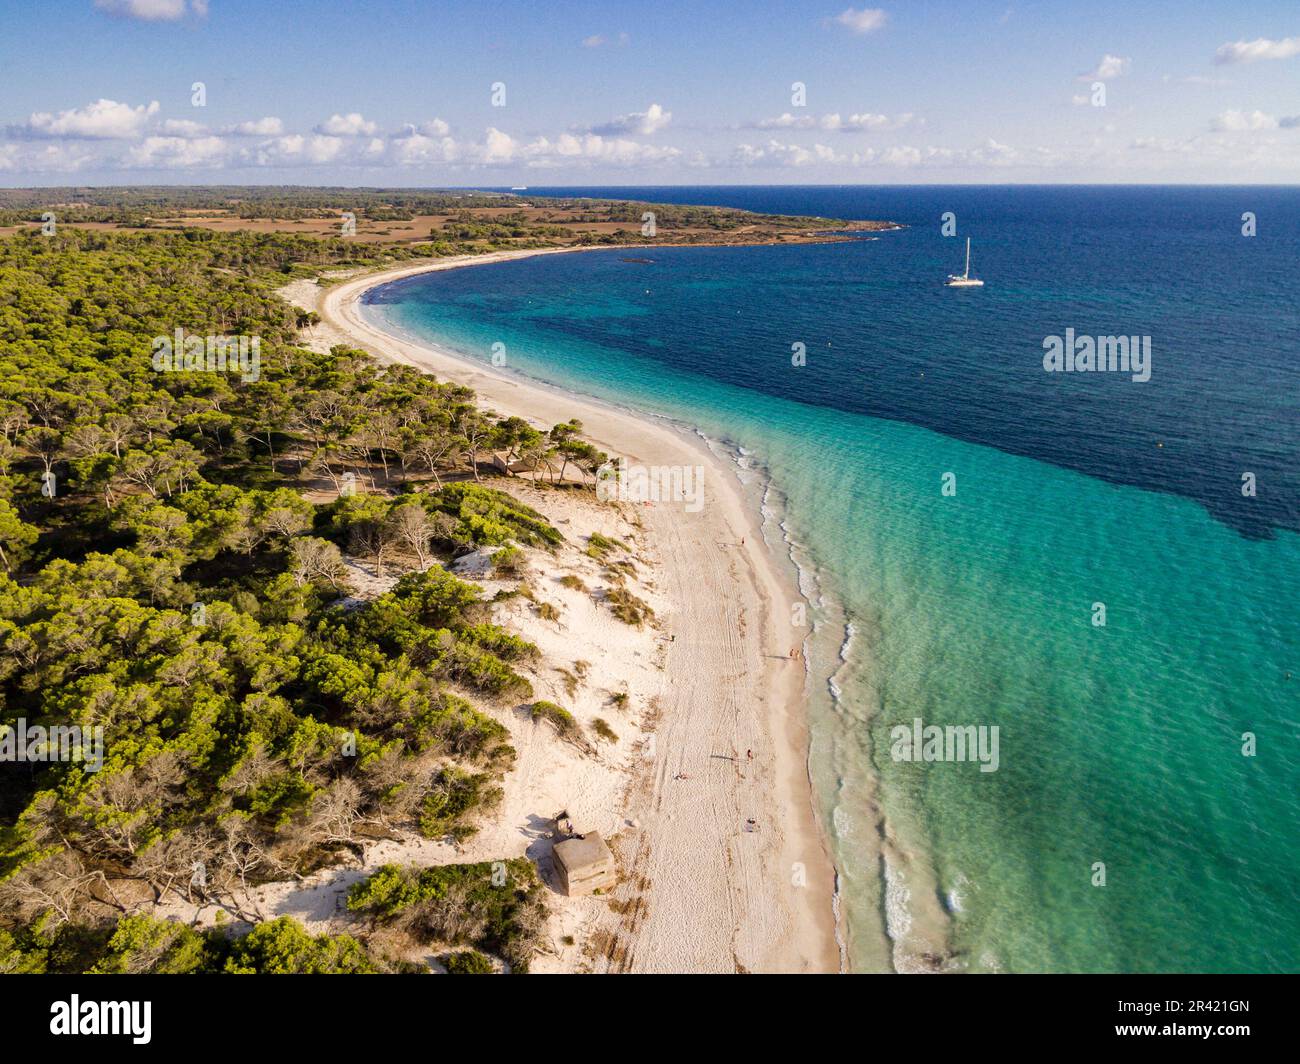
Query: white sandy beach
[702, 890]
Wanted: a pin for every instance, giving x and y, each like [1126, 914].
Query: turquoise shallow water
[1119, 744]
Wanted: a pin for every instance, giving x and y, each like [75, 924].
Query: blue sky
[399, 92]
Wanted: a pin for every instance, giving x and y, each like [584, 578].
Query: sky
[420, 93]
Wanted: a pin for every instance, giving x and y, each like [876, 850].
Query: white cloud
[258, 127]
[646, 123]
[989, 154]
[901, 156]
[323, 149]
[594, 148]
[1243, 122]
[497, 147]
[786, 121]
[176, 153]
[103, 119]
[868, 20]
[854, 123]
[182, 127]
[1167, 145]
[349, 125]
[107, 136]
[298, 150]
[1262, 48]
[1240, 143]
[1246, 156]
[183, 145]
[599, 40]
[46, 158]
[150, 10]
[776, 153]
[413, 148]
[868, 121]
[1111, 66]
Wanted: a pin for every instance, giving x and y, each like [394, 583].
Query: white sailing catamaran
[964, 280]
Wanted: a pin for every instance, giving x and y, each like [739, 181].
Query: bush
[495, 906]
[468, 962]
[283, 947]
[627, 607]
[500, 642]
[488, 517]
[560, 718]
[452, 794]
[601, 727]
[485, 672]
[508, 561]
[598, 546]
[140, 944]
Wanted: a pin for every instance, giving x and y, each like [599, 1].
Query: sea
[1093, 572]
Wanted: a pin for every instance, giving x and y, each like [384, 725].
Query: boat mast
[967, 273]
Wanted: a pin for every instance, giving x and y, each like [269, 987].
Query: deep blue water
[886, 339]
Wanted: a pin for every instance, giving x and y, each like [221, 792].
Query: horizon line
[530, 188]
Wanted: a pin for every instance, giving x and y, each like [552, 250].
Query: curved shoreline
[772, 910]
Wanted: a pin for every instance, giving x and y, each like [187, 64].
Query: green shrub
[508, 561]
[283, 947]
[139, 944]
[488, 517]
[495, 906]
[598, 546]
[485, 672]
[498, 641]
[468, 962]
[452, 794]
[561, 719]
